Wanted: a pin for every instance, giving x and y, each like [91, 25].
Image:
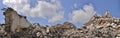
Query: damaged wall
[13, 20]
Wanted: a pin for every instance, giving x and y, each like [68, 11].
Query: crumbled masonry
[17, 26]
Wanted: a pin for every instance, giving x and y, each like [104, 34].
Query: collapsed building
[14, 20]
[17, 26]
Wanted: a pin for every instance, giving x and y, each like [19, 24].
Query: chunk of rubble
[107, 14]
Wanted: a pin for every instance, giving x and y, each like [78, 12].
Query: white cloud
[42, 9]
[83, 15]
[57, 17]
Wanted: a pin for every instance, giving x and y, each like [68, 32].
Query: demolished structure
[17, 26]
[14, 20]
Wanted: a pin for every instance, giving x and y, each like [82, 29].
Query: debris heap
[17, 26]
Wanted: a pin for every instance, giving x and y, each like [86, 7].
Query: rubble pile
[16, 26]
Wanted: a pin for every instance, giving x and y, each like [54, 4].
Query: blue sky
[51, 12]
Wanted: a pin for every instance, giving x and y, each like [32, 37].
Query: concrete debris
[107, 14]
[17, 26]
